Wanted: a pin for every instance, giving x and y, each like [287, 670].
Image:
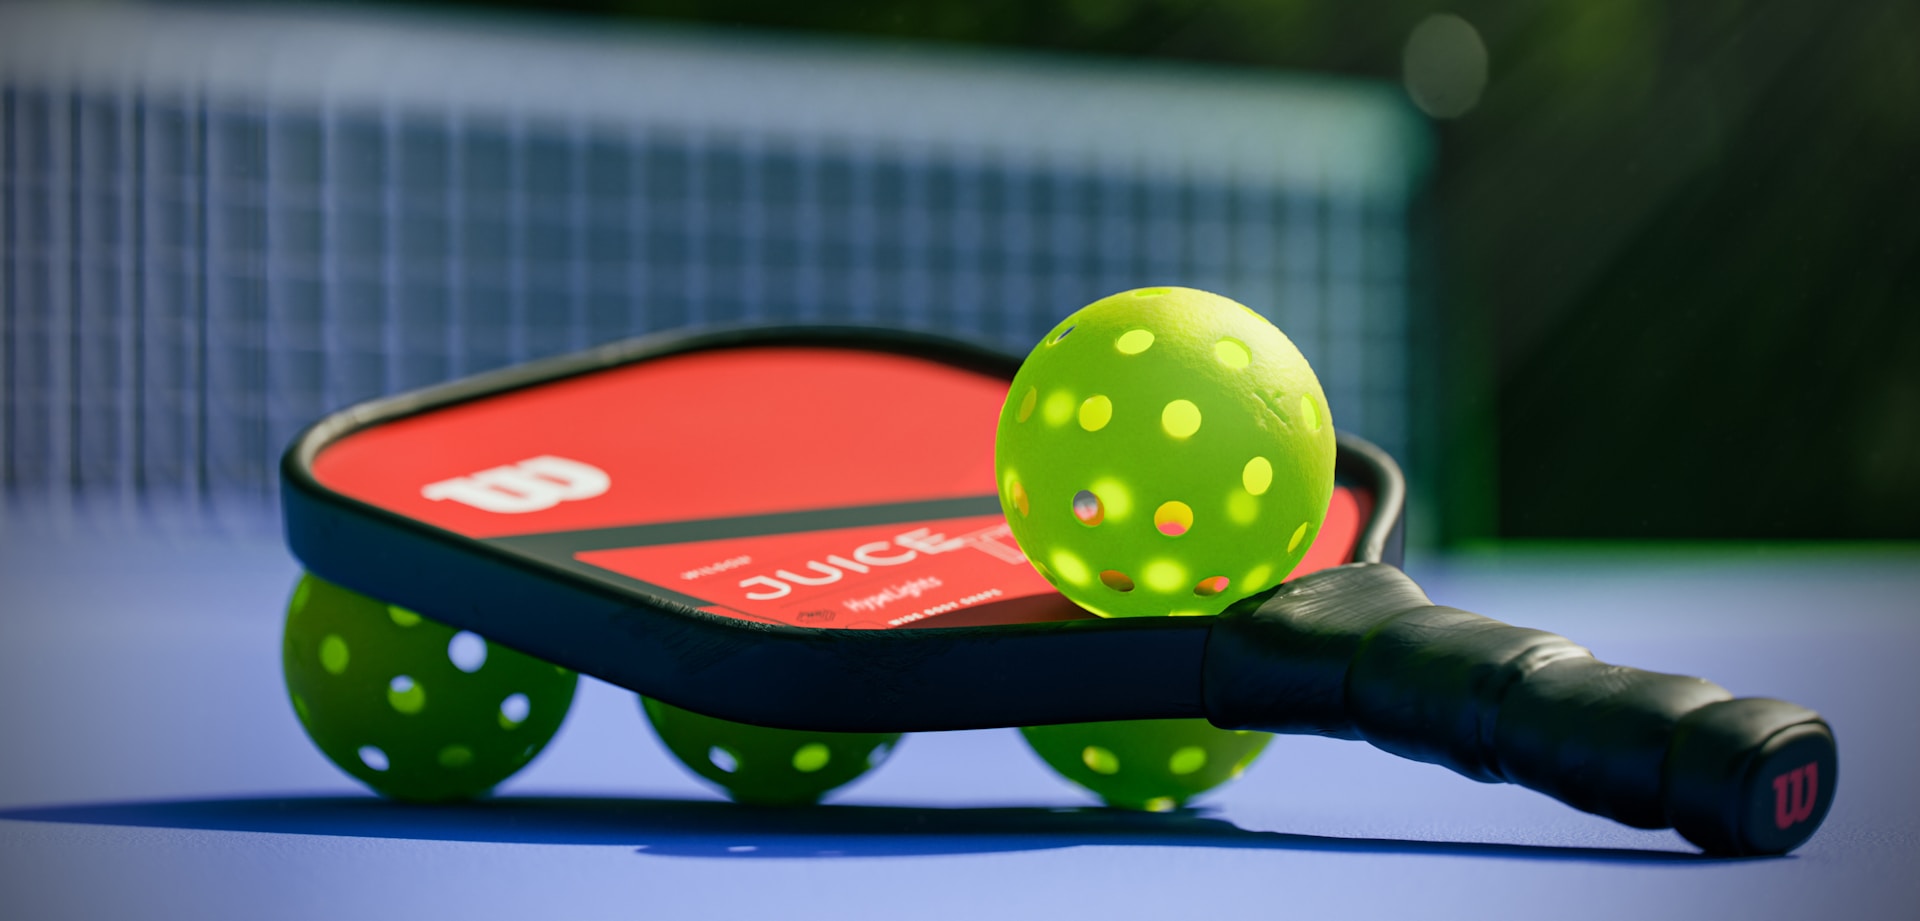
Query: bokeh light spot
[1444, 66]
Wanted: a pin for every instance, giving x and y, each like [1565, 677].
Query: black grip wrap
[1360, 652]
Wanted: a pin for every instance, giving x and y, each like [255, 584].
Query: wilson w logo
[1794, 794]
[529, 486]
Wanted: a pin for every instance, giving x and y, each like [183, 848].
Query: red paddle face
[798, 485]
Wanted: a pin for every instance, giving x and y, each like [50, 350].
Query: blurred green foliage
[1676, 247]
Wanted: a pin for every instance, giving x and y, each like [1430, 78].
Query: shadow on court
[697, 828]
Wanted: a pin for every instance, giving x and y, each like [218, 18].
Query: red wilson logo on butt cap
[1794, 794]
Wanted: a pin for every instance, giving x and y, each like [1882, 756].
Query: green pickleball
[1164, 451]
[411, 707]
[763, 765]
[1155, 765]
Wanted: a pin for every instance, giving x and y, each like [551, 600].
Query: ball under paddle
[762, 765]
[412, 707]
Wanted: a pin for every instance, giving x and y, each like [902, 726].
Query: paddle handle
[1359, 651]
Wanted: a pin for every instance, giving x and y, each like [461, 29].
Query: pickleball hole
[1232, 353]
[1063, 334]
[1187, 760]
[333, 654]
[1058, 408]
[1115, 498]
[1242, 508]
[1152, 292]
[1162, 804]
[1019, 494]
[1299, 534]
[1026, 404]
[1099, 760]
[1164, 575]
[300, 593]
[811, 757]
[1257, 476]
[1095, 412]
[723, 759]
[1116, 580]
[1310, 413]
[373, 758]
[1134, 341]
[1088, 509]
[1257, 578]
[1173, 518]
[467, 651]
[1211, 586]
[406, 695]
[456, 756]
[1069, 567]
[401, 616]
[514, 710]
[1180, 418]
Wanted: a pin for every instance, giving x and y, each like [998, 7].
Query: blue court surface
[152, 768]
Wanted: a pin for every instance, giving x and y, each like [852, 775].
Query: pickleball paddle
[797, 527]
